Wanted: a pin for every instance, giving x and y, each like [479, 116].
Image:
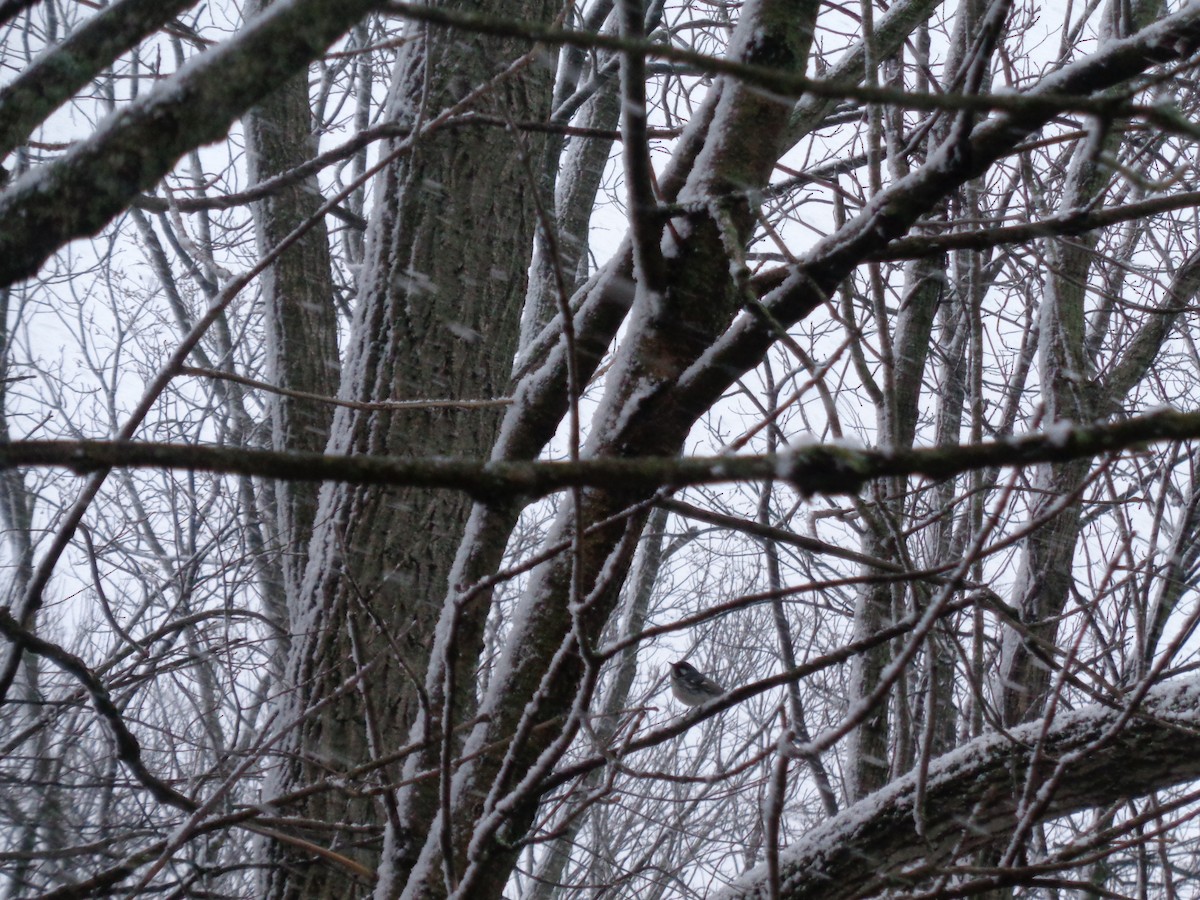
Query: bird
[690, 687]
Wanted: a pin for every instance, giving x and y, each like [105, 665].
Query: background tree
[863, 251]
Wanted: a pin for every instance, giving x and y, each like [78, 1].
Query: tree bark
[437, 318]
[1085, 758]
[300, 319]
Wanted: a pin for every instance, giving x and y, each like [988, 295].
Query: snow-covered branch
[55, 76]
[969, 796]
[78, 194]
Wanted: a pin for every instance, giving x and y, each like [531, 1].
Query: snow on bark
[969, 797]
[82, 191]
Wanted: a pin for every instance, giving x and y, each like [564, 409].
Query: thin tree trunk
[300, 319]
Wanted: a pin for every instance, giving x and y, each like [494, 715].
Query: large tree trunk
[437, 318]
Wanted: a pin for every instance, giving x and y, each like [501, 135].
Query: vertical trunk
[905, 355]
[17, 505]
[1069, 393]
[437, 317]
[557, 854]
[299, 318]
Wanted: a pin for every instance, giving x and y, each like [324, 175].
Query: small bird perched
[690, 687]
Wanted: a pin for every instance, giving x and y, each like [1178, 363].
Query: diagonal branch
[129, 750]
[893, 211]
[968, 795]
[66, 68]
[1076, 221]
[77, 195]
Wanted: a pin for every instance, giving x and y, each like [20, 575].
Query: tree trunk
[437, 318]
[300, 319]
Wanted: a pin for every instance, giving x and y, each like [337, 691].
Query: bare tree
[496, 356]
